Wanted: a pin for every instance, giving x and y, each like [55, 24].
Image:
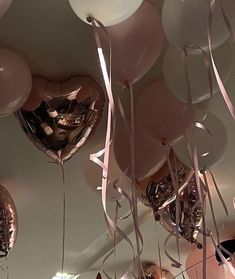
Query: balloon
[153, 271]
[161, 115]
[158, 190]
[194, 265]
[77, 87]
[8, 222]
[213, 142]
[106, 11]
[4, 6]
[61, 126]
[185, 23]
[34, 100]
[136, 44]
[15, 82]
[191, 213]
[149, 156]
[198, 74]
[93, 174]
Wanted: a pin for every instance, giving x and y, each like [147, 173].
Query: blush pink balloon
[214, 270]
[136, 44]
[4, 6]
[150, 156]
[160, 115]
[34, 100]
[15, 82]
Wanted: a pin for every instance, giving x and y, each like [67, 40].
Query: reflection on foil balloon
[158, 190]
[153, 271]
[62, 125]
[191, 213]
[8, 222]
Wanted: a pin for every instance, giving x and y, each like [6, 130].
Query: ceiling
[57, 45]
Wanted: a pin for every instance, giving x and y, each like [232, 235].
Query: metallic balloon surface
[8, 222]
[191, 213]
[158, 190]
[61, 125]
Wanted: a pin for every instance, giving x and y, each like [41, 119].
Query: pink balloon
[150, 157]
[4, 6]
[161, 115]
[34, 100]
[136, 44]
[214, 270]
[15, 82]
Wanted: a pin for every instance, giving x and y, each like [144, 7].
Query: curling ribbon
[223, 91]
[109, 135]
[133, 198]
[192, 149]
[133, 186]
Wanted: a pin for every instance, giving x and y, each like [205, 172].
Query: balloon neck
[89, 18]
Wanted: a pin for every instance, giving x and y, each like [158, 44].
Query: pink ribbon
[223, 91]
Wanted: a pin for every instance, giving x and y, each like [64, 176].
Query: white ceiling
[56, 44]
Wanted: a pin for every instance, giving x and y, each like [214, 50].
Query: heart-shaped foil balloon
[8, 222]
[191, 213]
[65, 118]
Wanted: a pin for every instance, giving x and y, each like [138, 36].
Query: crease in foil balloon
[111, 122]
[222, 88]
[61, 125]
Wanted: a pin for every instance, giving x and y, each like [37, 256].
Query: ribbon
[192, 149]
[223, 91]
[174, 263]
[111, 122]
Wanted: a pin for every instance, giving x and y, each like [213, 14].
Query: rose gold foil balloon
[34, 100]
[191, 213]
[8, 222]
[158, 190]
[15, 82]
[62, 125]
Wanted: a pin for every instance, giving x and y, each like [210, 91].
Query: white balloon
[185, 23]
[174, 73]
[107, 11]
[215, 146]
[4, 6]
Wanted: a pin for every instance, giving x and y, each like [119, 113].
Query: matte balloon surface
[150, 156]
[185, 23]
[174, 74]
[15, 82]
[160, 115]
[106, 11]
[136, 44]
[211, 143]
